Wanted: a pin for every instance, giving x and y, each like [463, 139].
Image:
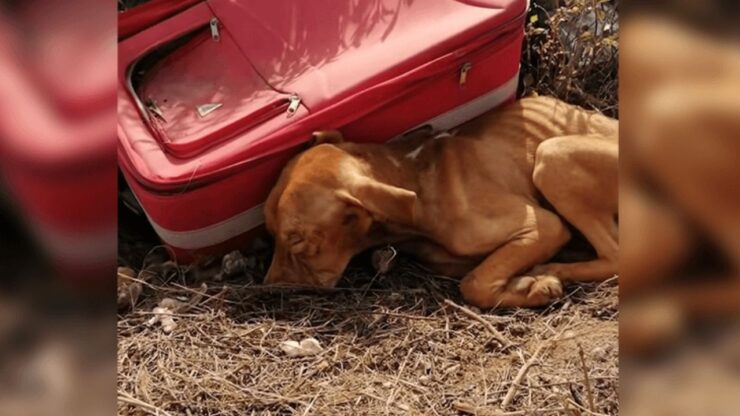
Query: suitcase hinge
[215, 35]
[294, 103]
[464, 73]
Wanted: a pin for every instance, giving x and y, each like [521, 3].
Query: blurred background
[677, 99]
[57, 207]
[679, 205]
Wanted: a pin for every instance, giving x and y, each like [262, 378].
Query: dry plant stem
[520, 375]
[496, 334]
[529, 363]
[476, 411]
[586, 379]
[589, 412]
[149, 408]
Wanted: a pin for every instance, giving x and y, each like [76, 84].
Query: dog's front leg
[497, 280]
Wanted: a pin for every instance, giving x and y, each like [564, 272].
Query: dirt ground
[395, 343]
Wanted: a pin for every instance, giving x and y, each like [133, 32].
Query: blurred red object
[57, 117]
[141, 17]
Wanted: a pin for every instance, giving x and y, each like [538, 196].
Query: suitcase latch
[215, 35]
[293, 103]
[464, 73]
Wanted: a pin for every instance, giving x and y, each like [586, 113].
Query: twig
[523, 371]
[398, 405]
[468, 408]
[310, 405]
[584, 409]
[496, 334]
[586, 380]
[520, 375]
[149, 408]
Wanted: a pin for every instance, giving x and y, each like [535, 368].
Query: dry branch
[494, 332]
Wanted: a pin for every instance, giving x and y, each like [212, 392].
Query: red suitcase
[213, 101]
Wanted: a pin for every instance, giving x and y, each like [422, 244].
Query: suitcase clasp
[464, 73]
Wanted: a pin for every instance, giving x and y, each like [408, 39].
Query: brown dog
[468, 205]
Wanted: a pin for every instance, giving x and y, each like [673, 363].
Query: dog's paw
[546, 287]
[539, 289]
[521, 284]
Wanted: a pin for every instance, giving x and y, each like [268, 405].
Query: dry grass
[398, 343]
[392, 345]
[572, 52]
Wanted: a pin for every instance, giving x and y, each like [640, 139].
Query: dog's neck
[396, 164]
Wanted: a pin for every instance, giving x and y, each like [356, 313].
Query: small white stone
[172, 305]
[307, 347]
[311, 346]
[291, 348]
[163, 315]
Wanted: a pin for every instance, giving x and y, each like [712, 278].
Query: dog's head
[321, 212]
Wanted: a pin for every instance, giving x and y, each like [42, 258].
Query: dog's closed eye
[296, 243]
[293, 238]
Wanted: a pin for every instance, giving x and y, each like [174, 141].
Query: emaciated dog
[471, 205]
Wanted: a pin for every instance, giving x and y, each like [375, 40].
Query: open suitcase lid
[198, 89]
[240, 81]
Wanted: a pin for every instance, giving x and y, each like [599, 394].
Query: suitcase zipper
[215, 35]
[294, 101]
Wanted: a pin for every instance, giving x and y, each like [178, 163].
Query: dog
[472, 205]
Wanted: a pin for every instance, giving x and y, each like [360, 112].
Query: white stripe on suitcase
[254, 217]
[213, 234]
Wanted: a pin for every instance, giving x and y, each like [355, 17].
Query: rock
[307, 347]
[169, 306]
[291, 348]
[234, 263]
[173, 305]
[163, 316]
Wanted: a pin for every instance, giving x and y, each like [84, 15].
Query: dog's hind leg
[578, 175]
[497, 281]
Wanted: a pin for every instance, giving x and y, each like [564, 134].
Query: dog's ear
[384, 202]
[326, 136]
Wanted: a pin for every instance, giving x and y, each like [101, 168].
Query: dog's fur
[470, 205]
